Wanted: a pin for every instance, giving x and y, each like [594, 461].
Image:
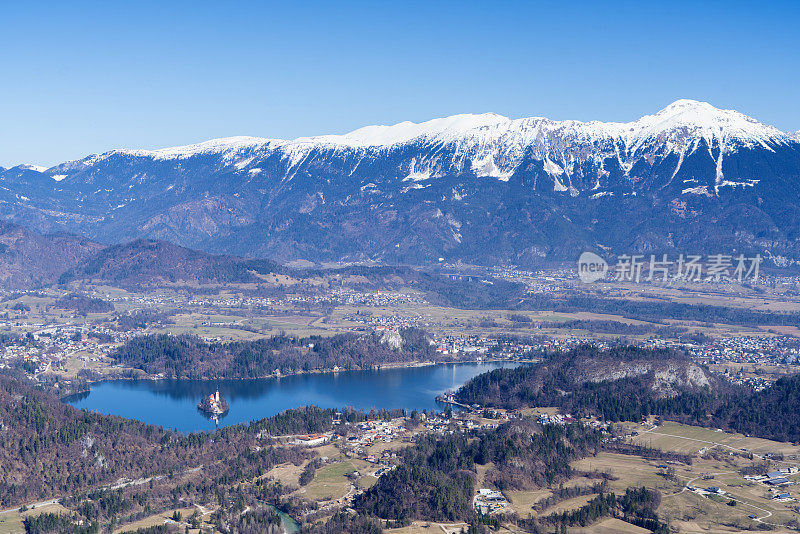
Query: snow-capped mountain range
[454, 188]
[497, 145]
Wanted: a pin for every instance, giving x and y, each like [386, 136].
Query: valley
[165, 320]
[67, 337]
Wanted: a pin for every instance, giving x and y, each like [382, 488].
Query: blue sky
[79, 77]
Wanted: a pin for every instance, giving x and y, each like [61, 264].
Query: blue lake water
[173, 403]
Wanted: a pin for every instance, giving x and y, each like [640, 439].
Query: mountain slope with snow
[680, 121]
[475, 187]
[491, 145]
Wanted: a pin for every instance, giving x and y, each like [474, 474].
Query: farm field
[610, 525]
[717, 462]
[329, 482]
[684, 438]
[155, 520]
[626, 470]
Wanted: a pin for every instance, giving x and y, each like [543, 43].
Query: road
[113, 486]
[760, 519]
[32, 505]
[760, 457]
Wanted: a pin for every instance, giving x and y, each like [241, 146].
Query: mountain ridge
[477, 188]
[29, 259]
[681, 113]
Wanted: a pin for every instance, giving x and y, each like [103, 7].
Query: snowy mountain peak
[683, 105]
[206, 147]
[37, 168]
[681, 125]
[692, 114]
[497, 143]
[447, 127]
[680, 119]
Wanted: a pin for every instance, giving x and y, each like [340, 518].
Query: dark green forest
[186, 356]
[655, 311]
[436, 479]
[771, 413]
[48, 448]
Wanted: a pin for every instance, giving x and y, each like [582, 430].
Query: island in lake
[213, 404]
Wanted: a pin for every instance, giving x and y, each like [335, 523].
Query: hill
[631, 383]
[28, 259]
[107, 471]
[187, 356]
[591, 380]
[149, 262]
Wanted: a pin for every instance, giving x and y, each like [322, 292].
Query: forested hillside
[186, 356]
[629, 384]
[436, 480]
[149, 262]
[29, 259]
[50, 449]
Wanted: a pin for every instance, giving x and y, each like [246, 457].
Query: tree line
[188, 356]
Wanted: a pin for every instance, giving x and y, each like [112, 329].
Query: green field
[329, 482]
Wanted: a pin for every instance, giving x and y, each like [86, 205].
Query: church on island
[213, 404]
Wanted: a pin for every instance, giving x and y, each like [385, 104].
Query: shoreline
[381, 367]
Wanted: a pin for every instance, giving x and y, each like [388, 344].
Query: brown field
[568, 505]
[718, 466]
[287, 474]
[329, 482]
[629, 471]
[482, 470]
[691, 513]
[11, 523]
[610, 526]
[684, 438]
[153, 520]
[425, 527]
[523, 501]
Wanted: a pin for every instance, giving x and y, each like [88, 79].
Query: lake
[173, 403]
